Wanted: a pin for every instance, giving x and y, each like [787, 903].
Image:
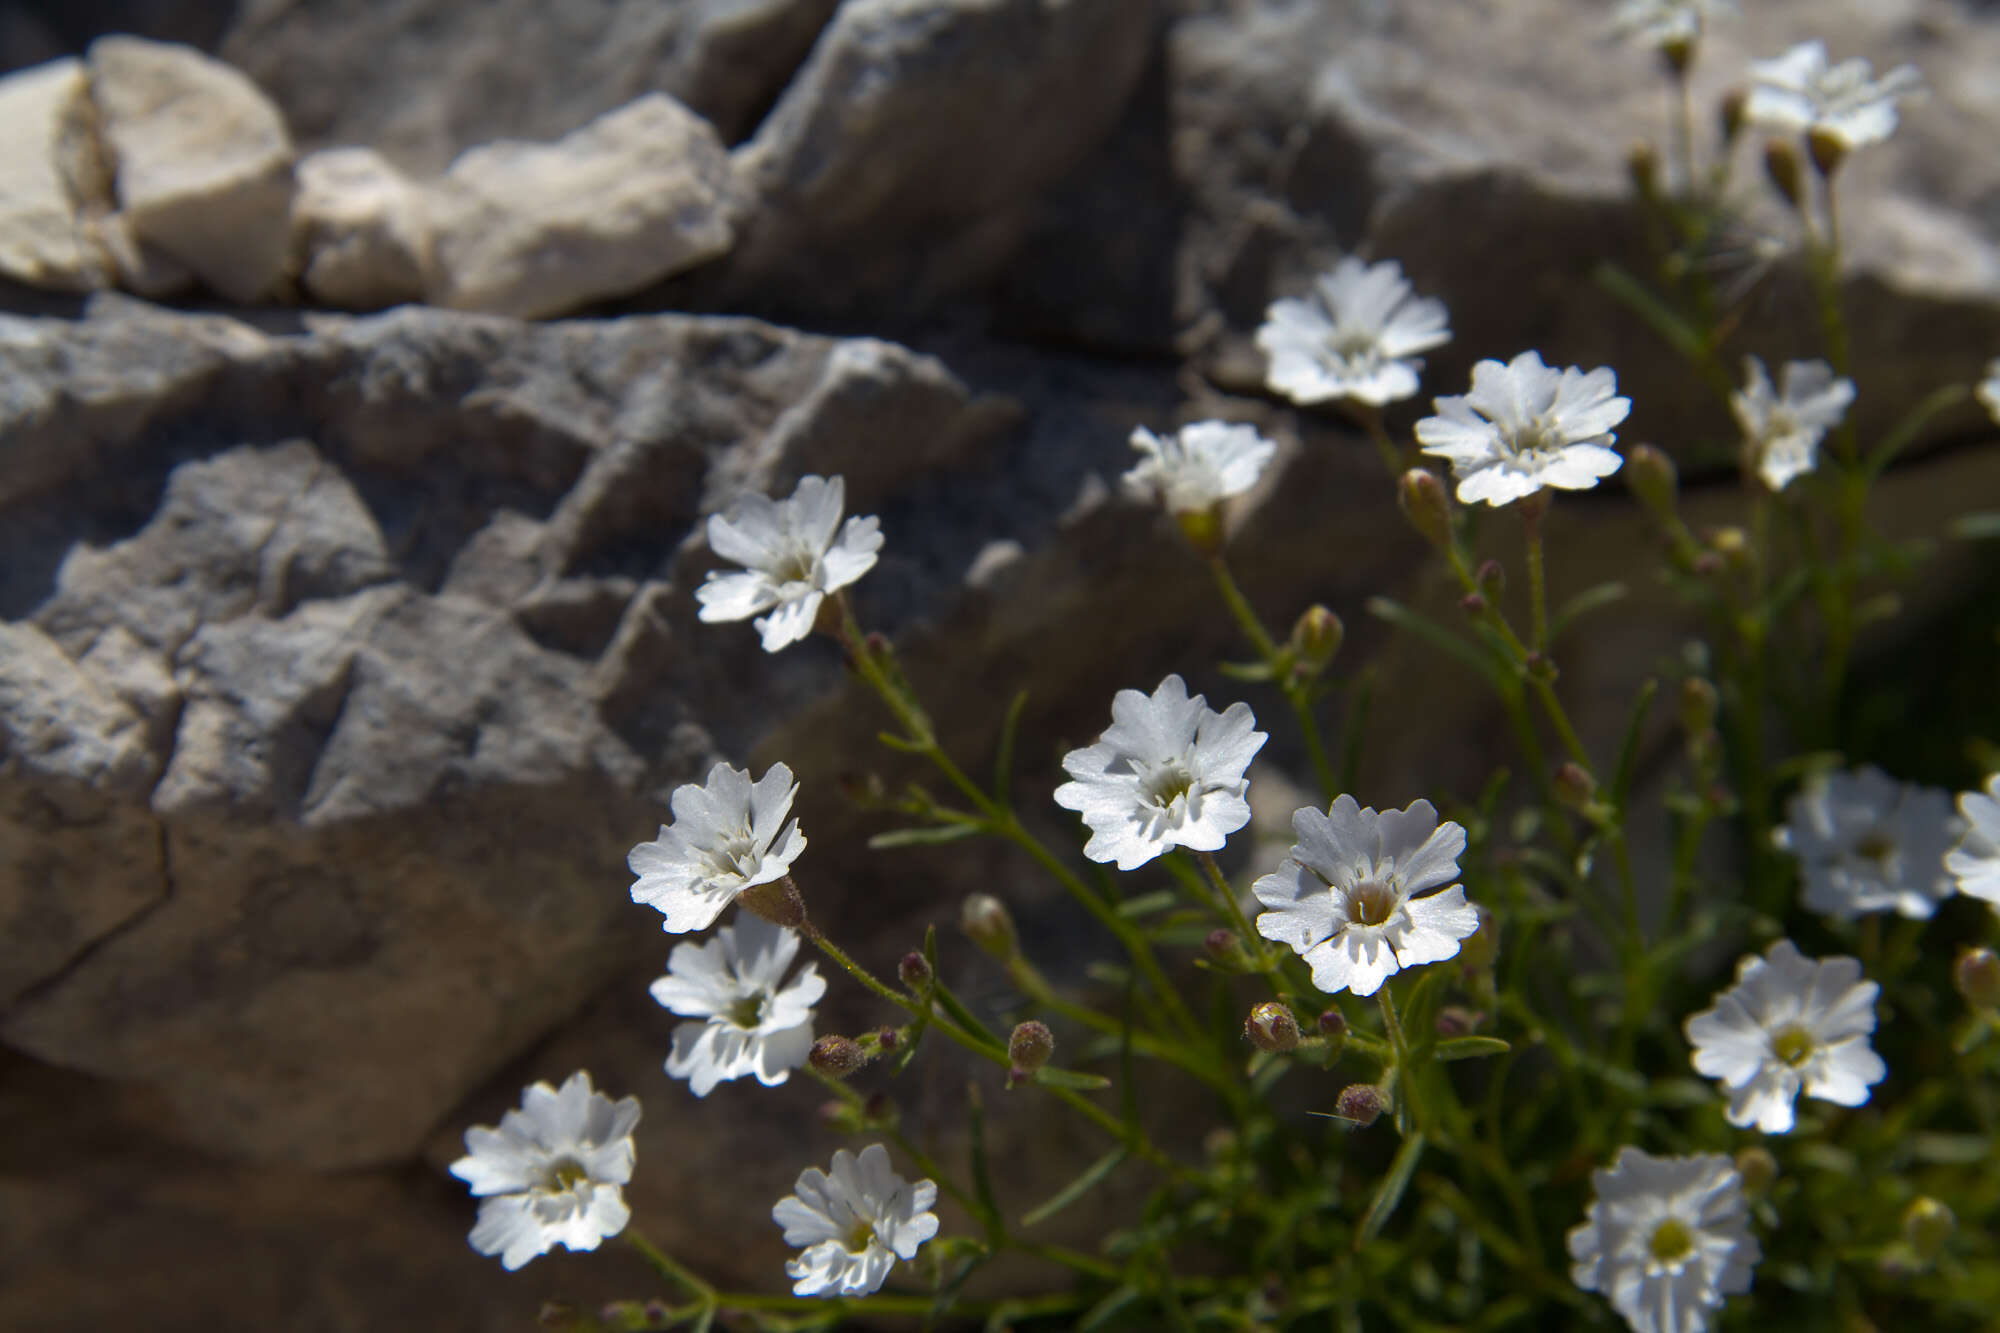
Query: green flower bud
[1651, 476]
[1574, 786]
[1271, 1027]
[1315, 639]
[1642, 168]
[985, 921]
[1029, 1047]
[1730, 113]
[1787, 173]
[1422, 498]
[1699, 705]
[1225, 949]
[1491, 576]
[1927, 1226]
[1977, 976]
[915, 973]
[1758, 1168]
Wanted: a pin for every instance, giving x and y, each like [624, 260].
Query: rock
[361, 230]
[202, 160]
[903, 162]
[541, 229]
[422, 81]
[327, 729]
[52, 180]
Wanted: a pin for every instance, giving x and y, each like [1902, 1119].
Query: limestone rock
[904, 160]
[540, 229]
[360, 230]
[203, 161]
[52, 180]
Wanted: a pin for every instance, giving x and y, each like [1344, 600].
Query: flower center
[859, 1236]
[1877, 847]
[1167, 783]
[1794, 1045]
[563, 1175]
[1371, 902]
[1355, 344]
[795, 566]
[747, 1011]
[1672, 1242]
[1538, 438]
[735, 854]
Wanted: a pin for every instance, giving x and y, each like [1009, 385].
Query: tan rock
[360, 230]
[202, 160]
[51, 179]
[539, 229]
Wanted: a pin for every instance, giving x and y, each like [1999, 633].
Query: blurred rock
[533, 230]
[52, 180]
[202, 160]
[361, 231]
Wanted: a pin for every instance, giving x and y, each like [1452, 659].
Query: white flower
[1975, 862]
[1781, 432]
[1666, 23]
[1356, 336]
[1799, 91]
[1988, 391]
[1345, 899]
[1790, 1023]
[1167, 772]
[550, 1175]
[1666, 1239]
[1525, 426]
[753, 1023]
[1198, 465]
[728, 835]
[854, 1223]
[790, 558]
[1867, 843]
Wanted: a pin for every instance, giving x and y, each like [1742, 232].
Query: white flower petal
[1355, 336]
[790, 557]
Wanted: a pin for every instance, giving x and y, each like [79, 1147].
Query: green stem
[1532, 510]
[1297, 691]
[667, 1266]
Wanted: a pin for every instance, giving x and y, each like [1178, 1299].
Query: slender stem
[1298, 692]
[1234, 910]
[1538, 594]
[1239, 606]
[1370, 418]
[667, 1266]
[1684, 114]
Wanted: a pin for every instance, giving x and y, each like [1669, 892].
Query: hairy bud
[1271, 1027]
[985, 921]
[1652, 477]
[837, 1056]
[1729, 113]
[1456, 1020]
[1225, 949]
[1977, 976]
[915, 973]
[1699, 705]
[1333, 1023]
[1828, 150]
[1786, 172]
[1362, 1104]
[1315, 639]
[1927, 1226]
[1423, 502]
[1029, 1047]
[1574, 786]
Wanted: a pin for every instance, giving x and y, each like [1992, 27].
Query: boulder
[52, 180]
[202, 160]
[361, 230]
[533, 230]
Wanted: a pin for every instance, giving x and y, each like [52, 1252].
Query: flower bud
[879, 1112]
[1651, 476]
[1491, 576]
[887, 1039]
[1472, 604]
[915, 973]
[1699, 705]
[1828, 150]
[1271, 1027]
[1482, 948]
[1730, 113]
[1362, 1104]
[985, 921]
[1333, 1023]
[1758, 1168]
[1423, 502]
[778, 902]
[1642, 167]
[837, 1056]
[1029, 1047]
[1315, 639]
[1225, 949]
[1455, 1020]
[1574, 786]
[1977, 976]
[1787, 173]
[1678, 53]
[1927, 1225]
[1731, 543]
[1541, 666]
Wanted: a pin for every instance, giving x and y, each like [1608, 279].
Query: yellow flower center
[563, 1174]
[748, 1011]
[1877, 847]
[1371, 902]
[1794, 1045]
[1167, 783]
[1672, 1241]
[860, 1235]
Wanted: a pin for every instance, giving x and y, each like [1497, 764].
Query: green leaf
[1905, 431]
[1682, 336]
[1945, 1149]
[1390, 1192]
[1051, 1077]
[1581, 605]
[959, 1013]
[982, 1174]
[1092, 1176]
[924, 837]
[1147, 903]
[1110, 1307]
[1245, 670]
[1470, 1048]
[1628, 751]
[903, 743]
[1403, 618]
[1003, 758]
[1976, 527]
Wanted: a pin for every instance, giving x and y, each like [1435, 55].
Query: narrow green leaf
[1976, 527]
[1110, 1307]
[1906, 431]
[1051, 1077]
[1245, 670]
[1682, 336]
[959, 1013]
[1402, 617]
[1581, 605]
[924, 837]
[703, 1321]
[1390, 1192]
[1148, 903]
[982, 1173]
[903, 743]
[1470, 1048]
[1945, 1149]
[1092, 1176]
[1628, 750]
[1003, 758]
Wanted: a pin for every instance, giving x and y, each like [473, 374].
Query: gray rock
[202, 160]
[361, 230]
[540, 229]
[52, 179]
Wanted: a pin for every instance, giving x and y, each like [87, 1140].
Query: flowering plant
[1663, 1026]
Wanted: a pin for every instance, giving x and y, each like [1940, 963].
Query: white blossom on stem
[1868, 843]
[751, 1021]
[1799, 92]
[1355, 336]
[1198, 465]
[1975, 862]
[1666, 1239]
[1524, 426]
[728, 835]
[790, 557]
[1782, 429]
[855, 1222]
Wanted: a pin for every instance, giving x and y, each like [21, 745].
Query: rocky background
[371, 365]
